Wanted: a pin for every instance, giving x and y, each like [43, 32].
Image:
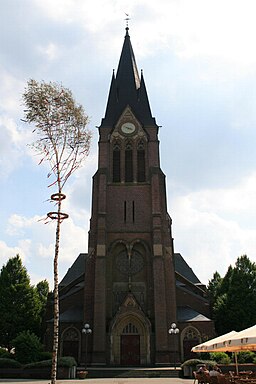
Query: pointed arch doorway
[130, 345]
[130, 336]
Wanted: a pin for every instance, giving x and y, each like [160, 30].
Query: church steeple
[127, 88]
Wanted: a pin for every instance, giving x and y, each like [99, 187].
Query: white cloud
[50, 51]
[10, 87]
[7, 252]
[73, 240]
[211, 228]
[11, 146]
[17, 224]
[13, 136]
[93, 15]
[228, 202]
[221, 31]
[211, 28]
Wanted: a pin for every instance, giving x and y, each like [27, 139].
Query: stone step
[132, 372]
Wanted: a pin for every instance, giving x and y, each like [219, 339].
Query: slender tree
[64, 141]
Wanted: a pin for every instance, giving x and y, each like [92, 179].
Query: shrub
[195, 362]
[220, 357]
[209, 363]
[39, 364]
[27, 347]
[191, 362]
[9, 363]
[66, 361]
[244, 357]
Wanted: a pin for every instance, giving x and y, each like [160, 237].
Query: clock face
[128, 128]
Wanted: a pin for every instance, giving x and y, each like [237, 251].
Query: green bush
[191, 363]
[209, 363]
[220, 357]
[66, 361]
[195, 362]
[39, 364]
[27, 347]
[244, 357]
[9, 363]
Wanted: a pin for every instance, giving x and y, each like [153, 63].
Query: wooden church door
[130, 350]
[130, 346]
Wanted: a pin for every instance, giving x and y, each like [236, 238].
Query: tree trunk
[56, 301]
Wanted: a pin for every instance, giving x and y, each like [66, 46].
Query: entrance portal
[130, 335]
[130, 350]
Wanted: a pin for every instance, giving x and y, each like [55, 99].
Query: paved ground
[107, 381]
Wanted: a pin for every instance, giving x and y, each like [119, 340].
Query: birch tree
[63, 139]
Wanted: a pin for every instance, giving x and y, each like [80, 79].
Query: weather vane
[127, 20]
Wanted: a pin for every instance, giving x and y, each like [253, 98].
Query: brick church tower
[131, 286]
[130, 295]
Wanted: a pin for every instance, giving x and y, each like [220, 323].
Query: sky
[199, 64]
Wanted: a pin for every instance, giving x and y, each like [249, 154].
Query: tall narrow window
[125, 211]
[128, 163]
[141, 171]
[116, 164]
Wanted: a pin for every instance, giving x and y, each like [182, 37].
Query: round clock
[128, 128]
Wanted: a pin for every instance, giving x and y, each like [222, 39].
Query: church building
[131, 288]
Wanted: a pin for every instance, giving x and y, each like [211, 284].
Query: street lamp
[174, 331]
[87, 331]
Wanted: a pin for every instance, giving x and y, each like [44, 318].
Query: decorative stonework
[129, 265]
[70, 334]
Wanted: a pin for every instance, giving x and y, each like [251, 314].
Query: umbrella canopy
[244, 340]
[210, 345]
[230, 342]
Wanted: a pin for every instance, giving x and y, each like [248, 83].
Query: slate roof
[71, 315]
[187, 314]
[76, 270]
[184, 269]
[127, 88]
[78, 267]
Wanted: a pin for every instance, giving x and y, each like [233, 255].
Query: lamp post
[87, 331]
[174, 330]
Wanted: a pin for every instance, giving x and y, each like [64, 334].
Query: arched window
[141, 171]
[116, 164]
[130, 329]
[128, 163]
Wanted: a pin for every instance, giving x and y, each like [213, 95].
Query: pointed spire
[127, 89]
